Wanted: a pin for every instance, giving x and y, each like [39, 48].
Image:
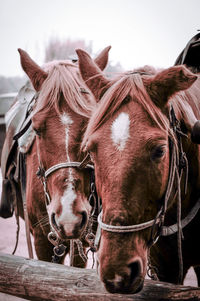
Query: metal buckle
[59, 250]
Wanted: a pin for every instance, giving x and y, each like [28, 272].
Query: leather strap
[22, 162]
[166, 231]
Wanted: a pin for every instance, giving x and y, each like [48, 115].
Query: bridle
[59, 245]
[178, 164]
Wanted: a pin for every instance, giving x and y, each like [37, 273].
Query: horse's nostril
[136, 270]
[53, 221]
[84, 219]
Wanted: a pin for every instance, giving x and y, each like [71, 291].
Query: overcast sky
[140, 32]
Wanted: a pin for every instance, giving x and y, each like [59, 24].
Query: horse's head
[59, 118]
[128, 139]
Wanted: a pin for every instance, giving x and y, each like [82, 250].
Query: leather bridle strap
[43, 174]
[124, 229]
[65, 165]
[165, 230]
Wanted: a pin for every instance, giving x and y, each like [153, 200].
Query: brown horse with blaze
[60, 114]
[135, 137]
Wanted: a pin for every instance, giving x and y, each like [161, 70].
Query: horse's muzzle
[129, 281]
[69, 229]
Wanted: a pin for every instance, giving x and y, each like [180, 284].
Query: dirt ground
[7, 243]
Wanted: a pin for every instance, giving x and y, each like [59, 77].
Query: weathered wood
[39, 280]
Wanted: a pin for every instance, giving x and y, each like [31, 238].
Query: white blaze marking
[67, 216]
[120, 130]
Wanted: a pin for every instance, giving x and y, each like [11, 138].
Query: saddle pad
[26, 140]
[15, 118]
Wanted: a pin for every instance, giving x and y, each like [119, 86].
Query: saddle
[16, 119]
[190, 56]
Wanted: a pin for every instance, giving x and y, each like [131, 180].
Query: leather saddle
[190, 56]
[16, 119]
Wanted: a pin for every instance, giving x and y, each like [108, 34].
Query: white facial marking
[67, 121]
[67, 216]
[67, 211]
[120, 130]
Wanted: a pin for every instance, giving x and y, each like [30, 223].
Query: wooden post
[39, 281]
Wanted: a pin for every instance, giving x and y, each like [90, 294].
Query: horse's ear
[168, 82]
[102, 59]
[92, 74]
[34, 72]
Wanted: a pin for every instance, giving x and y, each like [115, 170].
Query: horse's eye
[158, 152]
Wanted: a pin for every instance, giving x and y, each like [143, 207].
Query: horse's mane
[186, 103]
[131, 85]
[64, 79]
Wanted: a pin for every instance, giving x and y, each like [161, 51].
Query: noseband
[44, 174]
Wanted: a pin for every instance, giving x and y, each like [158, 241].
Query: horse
[57, 186]
[142, 139]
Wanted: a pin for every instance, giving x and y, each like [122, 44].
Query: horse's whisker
[43, 221]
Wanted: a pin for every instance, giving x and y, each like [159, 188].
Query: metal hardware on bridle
[90, 237]
[92, 198]
[59, 248]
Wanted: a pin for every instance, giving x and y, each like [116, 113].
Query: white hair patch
[120, 130]
[67, 217]
[66, 119]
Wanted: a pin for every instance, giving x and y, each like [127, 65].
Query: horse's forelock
[63, 78]
[129, 84]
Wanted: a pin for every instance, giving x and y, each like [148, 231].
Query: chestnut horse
[59, 202]
[139, 139]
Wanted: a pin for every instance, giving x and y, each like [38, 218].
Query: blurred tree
[57, 49]
[112, 70]
[65, 49]
[11, 84]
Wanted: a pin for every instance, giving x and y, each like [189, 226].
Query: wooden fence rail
[39, 281]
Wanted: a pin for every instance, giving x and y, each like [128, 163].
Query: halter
[178, 163]
[59, 247]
